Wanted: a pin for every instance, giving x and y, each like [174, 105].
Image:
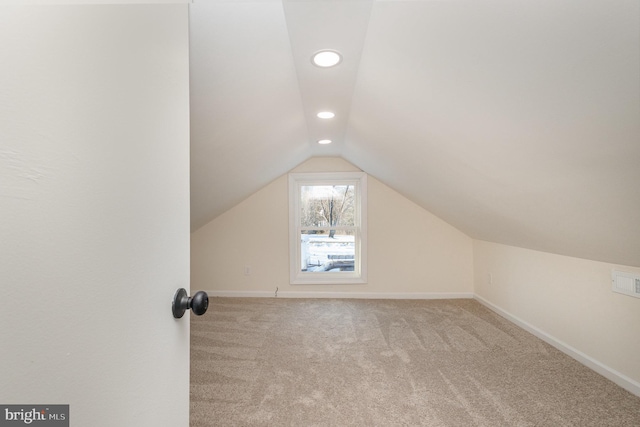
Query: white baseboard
[611, 374]
[354, 295]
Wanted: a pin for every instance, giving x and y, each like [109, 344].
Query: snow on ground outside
[317, 248]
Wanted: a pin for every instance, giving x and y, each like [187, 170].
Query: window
[328, 227]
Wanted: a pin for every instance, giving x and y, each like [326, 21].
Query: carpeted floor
[338, 362]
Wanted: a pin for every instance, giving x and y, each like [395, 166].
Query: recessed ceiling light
[324, 141]
[326, 58]
[326, 114]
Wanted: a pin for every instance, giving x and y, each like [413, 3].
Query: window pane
[327, 205]
[327, 250]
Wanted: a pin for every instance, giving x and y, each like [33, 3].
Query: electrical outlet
[247, 270]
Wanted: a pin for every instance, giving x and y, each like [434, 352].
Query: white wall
[94, 211]
[411, 252]
[568, 301]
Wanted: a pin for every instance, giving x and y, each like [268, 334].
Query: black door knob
[183, 302]
[199, 303]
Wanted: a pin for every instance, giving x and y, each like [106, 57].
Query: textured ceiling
[516, 122]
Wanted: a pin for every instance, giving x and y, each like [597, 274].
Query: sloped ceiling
[518, 122]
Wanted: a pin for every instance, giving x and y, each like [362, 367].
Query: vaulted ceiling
[517, 122]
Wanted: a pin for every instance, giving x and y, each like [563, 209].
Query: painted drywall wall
[411, 252]
[94, 207]
[569, 299]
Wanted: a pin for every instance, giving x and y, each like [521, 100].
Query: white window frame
[359, 273]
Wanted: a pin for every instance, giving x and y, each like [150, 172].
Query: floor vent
[626, 283]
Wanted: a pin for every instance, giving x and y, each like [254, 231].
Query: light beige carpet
[324, 362]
